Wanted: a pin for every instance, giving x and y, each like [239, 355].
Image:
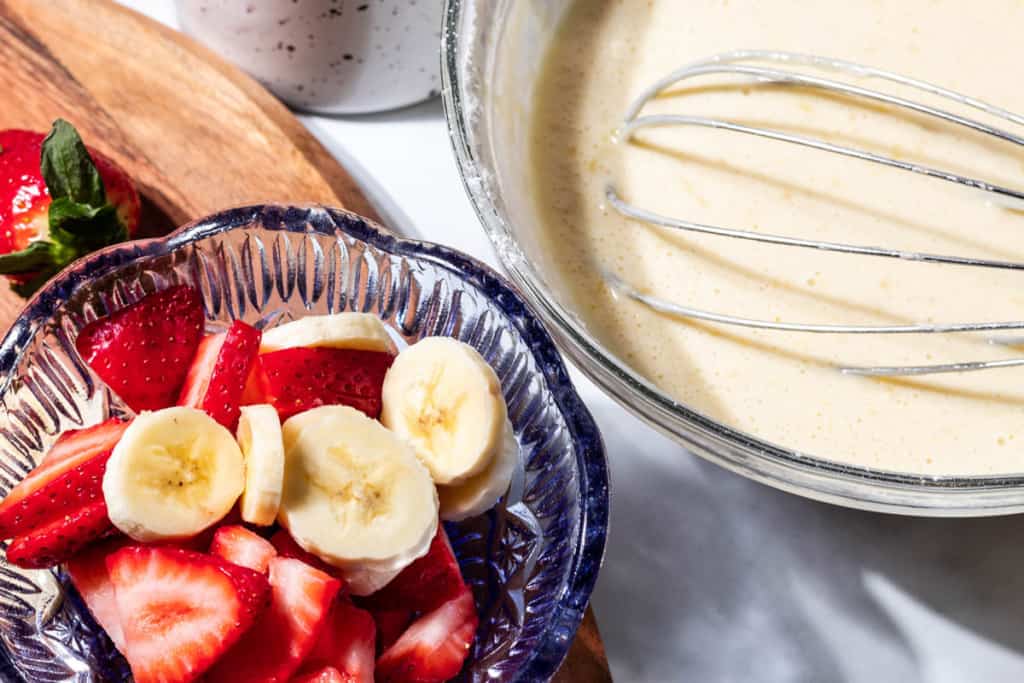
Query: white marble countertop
[708, 576]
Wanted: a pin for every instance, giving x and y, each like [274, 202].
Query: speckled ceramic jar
[327, 56]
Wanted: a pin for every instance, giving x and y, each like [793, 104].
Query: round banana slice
[355, 495]
[362, 331]
[294, 426]
[174, 473]
[443, 397]
[479, 494]
[259, 437]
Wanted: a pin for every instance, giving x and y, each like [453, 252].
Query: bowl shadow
[714, 577]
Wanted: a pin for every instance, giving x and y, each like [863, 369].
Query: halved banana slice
[259, 437]
[362, 331]
[479, 494]
[174, 473]
[442, 396]
[355, 495]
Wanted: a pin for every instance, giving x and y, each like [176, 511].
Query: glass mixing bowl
[531, 561]
[491, 55]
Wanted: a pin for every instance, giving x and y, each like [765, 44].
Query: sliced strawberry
[434, 648]
[181, 610]
[255, 386]
[57, 488]
[58, 508]
[68, 493]
[79, 442]
[239, 545]
[29, 503]
[201, 369]
[391, 624]
[88, 572]
[328, 674]
[347, 643]
[426, 583]
[217, 378]
[144, 350]
[287, 547]
[57, 541]
[275, 647]
[299, 379]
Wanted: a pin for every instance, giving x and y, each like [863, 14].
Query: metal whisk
[738, 62]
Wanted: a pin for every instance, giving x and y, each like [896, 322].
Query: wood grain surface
[195, 133]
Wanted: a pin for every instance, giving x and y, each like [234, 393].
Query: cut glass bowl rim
[588, 548]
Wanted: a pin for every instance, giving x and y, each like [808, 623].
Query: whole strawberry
[58, 201]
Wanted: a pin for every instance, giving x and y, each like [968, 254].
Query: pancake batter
[779, 386]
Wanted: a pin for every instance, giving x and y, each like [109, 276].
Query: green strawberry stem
[80, 218]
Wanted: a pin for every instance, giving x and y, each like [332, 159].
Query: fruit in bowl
[268, 501]
[530, 560]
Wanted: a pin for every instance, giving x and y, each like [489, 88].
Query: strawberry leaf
[32, 258]
[68, 169]
[36, 264]
[81, 218]
[83, 227]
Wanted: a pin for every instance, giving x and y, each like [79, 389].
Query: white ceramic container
[327, 56]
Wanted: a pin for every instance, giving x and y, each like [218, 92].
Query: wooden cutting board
[195, 133]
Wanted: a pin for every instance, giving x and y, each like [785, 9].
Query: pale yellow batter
[782, 386]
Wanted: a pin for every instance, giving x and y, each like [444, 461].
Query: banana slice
[362, 331]
[479, 494]
[355, 495]
[259, 437]
[365, 580]
[174, 473]
[443, 397]
[296, 424]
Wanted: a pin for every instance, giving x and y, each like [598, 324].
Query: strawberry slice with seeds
[328, 674]
[63, 483]
[348, 644]
[88, 572]
[218, 375]
[425, 584]
[68, 493]
[59, 540]
[391, 624]
[255, 386]
[81, 442]
[287, 547]
[181, 610]
[276, 646]
[144, 350]
[434, 648]
[239, 545]
[298, 379]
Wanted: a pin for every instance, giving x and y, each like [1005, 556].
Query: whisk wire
[725, 63]
[637, 213]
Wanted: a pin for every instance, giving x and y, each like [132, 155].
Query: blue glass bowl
[532, 561]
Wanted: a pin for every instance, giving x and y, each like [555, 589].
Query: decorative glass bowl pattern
[532, 561]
